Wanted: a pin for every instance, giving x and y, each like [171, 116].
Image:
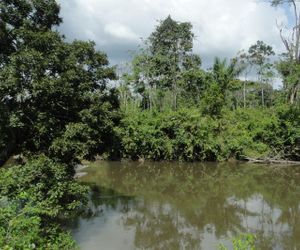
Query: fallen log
[271, 161]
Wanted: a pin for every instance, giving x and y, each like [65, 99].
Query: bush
[23, 229]
[181, 135]
[188, 135]
[34, 199]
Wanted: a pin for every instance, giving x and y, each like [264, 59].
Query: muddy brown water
[188, 206]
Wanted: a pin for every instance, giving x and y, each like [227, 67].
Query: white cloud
[221, 27]
[118, 30]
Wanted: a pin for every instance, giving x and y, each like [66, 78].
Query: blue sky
[222, 28]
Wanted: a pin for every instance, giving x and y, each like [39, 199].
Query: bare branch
[283, 39]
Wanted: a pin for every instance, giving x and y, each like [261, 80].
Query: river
[188, 206]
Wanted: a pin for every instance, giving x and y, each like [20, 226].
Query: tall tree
[244, 62]
[289, 66]
[259, 55]
[168, 53]
[292, 43]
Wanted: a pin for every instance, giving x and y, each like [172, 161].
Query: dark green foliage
[290, 71]
[290, 131]
[22, 20]
[22, 229]
[54, 102]
[49, 87]
[45, 95]
[180, 135]
[35, 197]
[213, 99]
[47, 184]
[194, 82]
[219, 82]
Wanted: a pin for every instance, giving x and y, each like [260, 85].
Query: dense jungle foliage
[172, 109]
[56, 108]
[188, 135]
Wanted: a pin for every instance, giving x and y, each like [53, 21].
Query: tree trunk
[262, 96]
[244, 93]
[293, 96]
[174, 96]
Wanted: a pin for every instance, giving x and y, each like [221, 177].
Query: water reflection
[189, 206]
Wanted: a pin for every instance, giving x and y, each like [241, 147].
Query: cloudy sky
[222, 27]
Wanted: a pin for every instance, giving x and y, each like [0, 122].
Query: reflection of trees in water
[100, 201]
[172, 227]
[291, 217]
[158, 226]
[205, 199]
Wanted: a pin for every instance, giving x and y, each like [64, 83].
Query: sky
[221, 27]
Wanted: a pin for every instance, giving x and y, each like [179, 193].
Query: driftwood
[79, 171]
[271, 161]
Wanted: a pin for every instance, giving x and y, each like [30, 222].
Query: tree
[292, 44]
[224, 73]
[222, 78]
[49, 88]
[289, 65]
[55, 105]
[167, 54]
[22, 24]
[259, 55]
[22, 19]
[193, 84]
[244, 62]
